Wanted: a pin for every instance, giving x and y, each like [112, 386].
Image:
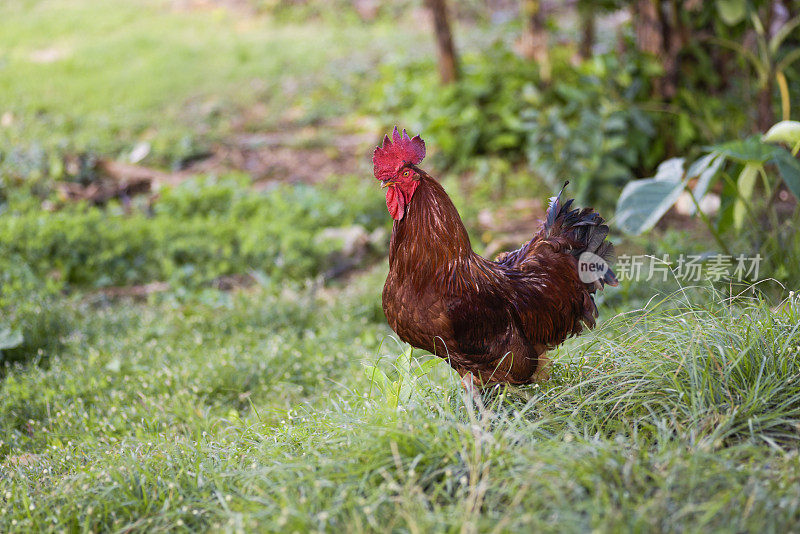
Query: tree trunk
[448, 61]
[672, 35]
[588, 30]
[534, 37]
[647, 26]
[765, 118]
[649, 39]
[660, 31]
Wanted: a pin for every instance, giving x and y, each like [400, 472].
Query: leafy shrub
[588, 127]
[585, 126]
[595, 123]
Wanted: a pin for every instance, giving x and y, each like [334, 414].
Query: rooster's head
[395, 166]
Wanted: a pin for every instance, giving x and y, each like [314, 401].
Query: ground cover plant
[210, 354]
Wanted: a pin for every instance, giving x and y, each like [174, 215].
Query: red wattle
[396, 202]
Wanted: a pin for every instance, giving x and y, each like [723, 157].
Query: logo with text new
[591, 267]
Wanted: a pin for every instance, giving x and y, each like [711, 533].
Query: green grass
[78, 75]
[253, 410]
[256, 409]
[200, 230]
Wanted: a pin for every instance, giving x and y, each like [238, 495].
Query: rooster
[493, 321]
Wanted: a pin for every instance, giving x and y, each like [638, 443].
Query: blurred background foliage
[181, 142]
[599, 93]
[192, 247]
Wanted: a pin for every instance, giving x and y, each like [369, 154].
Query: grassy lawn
[262, 408]
[253, 410]
[82, 76]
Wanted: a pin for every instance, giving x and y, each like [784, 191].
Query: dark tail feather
[555, 208]
[586, 231]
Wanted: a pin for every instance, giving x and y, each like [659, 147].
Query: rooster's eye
[406, 173]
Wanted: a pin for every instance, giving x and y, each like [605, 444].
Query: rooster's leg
[470, 385]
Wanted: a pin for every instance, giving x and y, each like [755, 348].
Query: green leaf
[643, 202]
[782, 33]
[732, 11]
[406, 382]
[10, 339]
[376, 376]
[761, 69]
[789, 167]
[392, 395]
[746, 184]
[671, 170]
[787, 60]
[700, 165]
[427, 366]
[685, 131]
[504, 141]
[728, 199]
[750, 150]
[783, 132]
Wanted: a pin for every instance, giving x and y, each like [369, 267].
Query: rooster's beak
[387, 183]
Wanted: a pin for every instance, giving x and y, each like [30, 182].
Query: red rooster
[492, 320]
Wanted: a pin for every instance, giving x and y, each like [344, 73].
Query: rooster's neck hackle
[431, 239]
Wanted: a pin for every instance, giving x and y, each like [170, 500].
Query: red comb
[393, 154]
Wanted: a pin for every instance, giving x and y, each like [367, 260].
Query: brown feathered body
[494, 319]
